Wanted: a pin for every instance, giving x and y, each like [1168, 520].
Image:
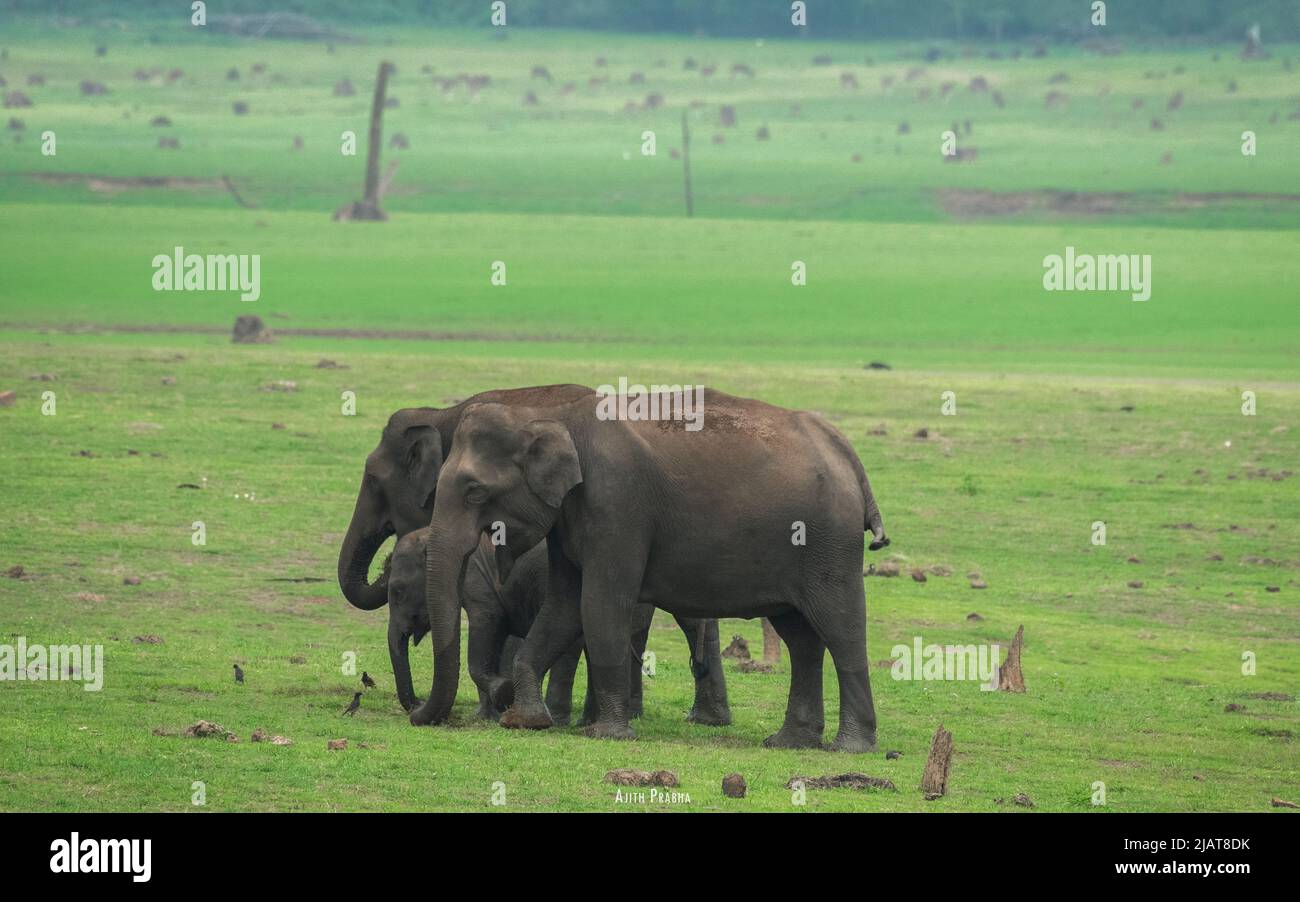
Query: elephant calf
[502, 612]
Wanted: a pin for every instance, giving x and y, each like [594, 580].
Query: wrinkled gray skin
[397, 496]
[500, 612]
[698, 523]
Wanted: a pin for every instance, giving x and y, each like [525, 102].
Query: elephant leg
[557, 627]
[710, 708]
[487, 639]
[848, 648]
[590, 711]
[608, 599]
[804, 716]
[559, 686]
[642, 617]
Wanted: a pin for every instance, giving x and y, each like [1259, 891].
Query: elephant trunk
[360, 545]
[445, 566]
[398, 646]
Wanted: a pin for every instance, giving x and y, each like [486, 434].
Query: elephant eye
[476, 495]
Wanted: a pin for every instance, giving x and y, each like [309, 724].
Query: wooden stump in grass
[368, 207]
[771, 643]
[934, 781]
[1010, 679]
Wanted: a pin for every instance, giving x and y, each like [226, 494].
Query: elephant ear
[423, 460]
[551, 464]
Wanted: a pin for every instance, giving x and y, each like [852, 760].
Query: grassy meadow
[1071, 407]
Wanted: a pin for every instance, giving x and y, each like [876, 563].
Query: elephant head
[408, 613]
[396, 497]
[508, 474]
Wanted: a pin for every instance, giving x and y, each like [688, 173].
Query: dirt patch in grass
[387, 334]
[976, 203]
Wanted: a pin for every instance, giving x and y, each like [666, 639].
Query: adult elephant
[397, 495]
[754, 511]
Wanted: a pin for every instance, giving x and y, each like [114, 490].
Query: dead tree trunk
[686, 166]
[934, 782]
[1010, 679]
[771, 643]
[368, 207]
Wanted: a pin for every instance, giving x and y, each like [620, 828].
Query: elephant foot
[561, 718]
[858, 745]
[794, 738]
[709, 717]
[604, 729]
[519, 719]
[425, 715]
[502, 692]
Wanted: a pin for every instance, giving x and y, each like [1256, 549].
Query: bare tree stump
[934, 782]
[368, 207]
[771, 643]
[1010, 679]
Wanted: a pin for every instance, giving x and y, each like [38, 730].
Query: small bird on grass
[367, 681]
[356, 703]
[239, 674]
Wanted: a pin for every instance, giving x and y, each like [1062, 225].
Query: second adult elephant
[758, 511]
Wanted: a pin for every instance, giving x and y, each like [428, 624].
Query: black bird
[356, 703]
[239, 674]
[367, 681]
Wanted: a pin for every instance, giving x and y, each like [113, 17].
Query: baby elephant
[500, 615]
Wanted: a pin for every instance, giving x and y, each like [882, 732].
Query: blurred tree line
[865, 19]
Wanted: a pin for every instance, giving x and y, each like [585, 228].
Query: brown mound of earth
[851, 780]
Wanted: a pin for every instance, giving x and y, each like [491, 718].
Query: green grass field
[1071, 407]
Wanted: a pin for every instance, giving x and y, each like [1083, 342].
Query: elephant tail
[871, 521]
